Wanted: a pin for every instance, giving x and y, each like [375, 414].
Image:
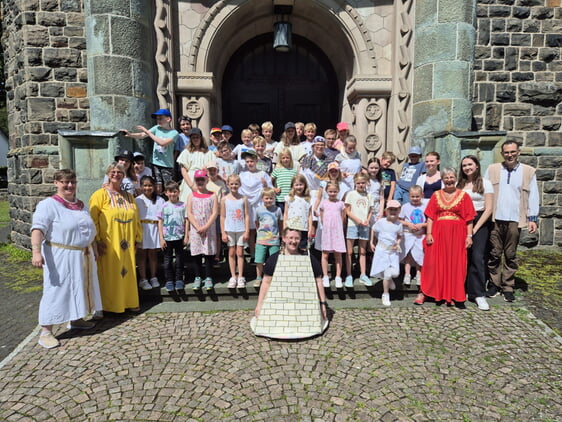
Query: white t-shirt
[297, 213]
[387, 232]
[478, 200]
[360, 204]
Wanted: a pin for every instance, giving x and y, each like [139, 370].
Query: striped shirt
[283, 178]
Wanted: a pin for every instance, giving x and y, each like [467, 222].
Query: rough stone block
[542, 13]
[543, 93]
[539, 110]
[65, 74]
[109, 7]
[511, 58]
[521, 12]
[436, 43]
[539, 67]
[493, 116]
[498, 11]
[499, 77]
[486, 92]
[77, 42]
[51, 19]
[455, 11]
[521, 39]
[117, 72]
[528, 53]
[36, 36]
[522, 76]
[67, 103]
[538, 40]
[59, 42]
[500, 39]
[482, 52]
[451, 80]
[554, 40]
[53, 127]
[42, 109]
[426, 13]
[545, 175]
[52, 89]
[70, 5]
[551, 162]
[498, 25]
[551, 123]
[531, 3]
[124, 35]
[33, 56]
[505, 93]
[49, 5]
[493, 65]
[508, 123]
[535, 139]
[76, 91]
[62, 57]
[549, 54]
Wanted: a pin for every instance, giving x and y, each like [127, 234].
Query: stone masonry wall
[46, 82]
[518, 88]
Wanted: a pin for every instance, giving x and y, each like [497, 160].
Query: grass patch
[23, 278]
[4, 214]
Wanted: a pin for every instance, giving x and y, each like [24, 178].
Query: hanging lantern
[282, 36]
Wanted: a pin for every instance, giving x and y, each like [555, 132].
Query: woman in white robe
[62, 236]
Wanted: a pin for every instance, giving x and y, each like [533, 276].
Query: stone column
[120, 63]
[444, 51]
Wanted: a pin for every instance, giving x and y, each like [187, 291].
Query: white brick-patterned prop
[291, 307]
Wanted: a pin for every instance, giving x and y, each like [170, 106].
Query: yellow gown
[118, 227]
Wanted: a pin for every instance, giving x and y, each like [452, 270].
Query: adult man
[315, 167]
[516, 205]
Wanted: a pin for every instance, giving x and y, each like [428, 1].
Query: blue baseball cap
[227, 128]
[161, 112]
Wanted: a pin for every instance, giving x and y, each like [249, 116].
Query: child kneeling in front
[386, 261]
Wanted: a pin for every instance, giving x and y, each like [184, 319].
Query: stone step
[221, 292]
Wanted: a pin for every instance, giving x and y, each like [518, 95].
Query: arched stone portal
[260, 84]
[369, 47]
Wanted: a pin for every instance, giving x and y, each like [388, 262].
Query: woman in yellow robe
[115, 215]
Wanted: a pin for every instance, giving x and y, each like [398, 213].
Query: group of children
[244, 195]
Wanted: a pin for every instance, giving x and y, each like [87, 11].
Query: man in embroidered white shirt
[516, 205]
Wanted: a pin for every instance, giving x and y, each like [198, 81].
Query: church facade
[453, 76]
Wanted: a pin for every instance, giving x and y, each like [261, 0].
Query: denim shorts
[357, 232]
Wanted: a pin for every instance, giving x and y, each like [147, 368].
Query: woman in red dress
[450, 215]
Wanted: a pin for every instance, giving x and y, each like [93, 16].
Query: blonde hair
[350, 140]
[309, 126]
[259, 140]
[415, 188]
[330, 132]
[267, 125]
[233, 178]
[389, 155]
[360, 176]
[299, 125]
[299, 178]
[333, 184]
[285, 151]
[268, 192]
[246, 132]
[338, 179]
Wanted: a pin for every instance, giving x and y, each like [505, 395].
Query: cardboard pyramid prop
[291, 308]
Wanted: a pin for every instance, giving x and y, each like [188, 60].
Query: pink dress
[202, 209]
[333, 239]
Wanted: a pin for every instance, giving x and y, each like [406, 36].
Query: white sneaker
[482, 303]
[145, 285]
[339, 283]
[154, 282]
[392, 285]
[417, 279]
[349, 281]
[365, 280]
[326, 281]
[241, 283]
[407, 280]
[232, 283]
[385, 299]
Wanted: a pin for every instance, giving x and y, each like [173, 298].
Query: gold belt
[149, 221]
[63, 246]
[448, 217]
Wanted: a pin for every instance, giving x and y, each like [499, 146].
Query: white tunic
[148, 215]
[413, 241]
[68, 292]
[385, 257]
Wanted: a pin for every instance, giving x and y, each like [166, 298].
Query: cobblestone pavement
[424, 364]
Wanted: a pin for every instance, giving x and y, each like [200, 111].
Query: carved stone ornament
[373, 142]
[373, 111]
[193, 109]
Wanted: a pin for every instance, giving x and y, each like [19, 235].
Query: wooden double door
[260, 84]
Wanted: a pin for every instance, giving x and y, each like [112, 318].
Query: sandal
[420, 299]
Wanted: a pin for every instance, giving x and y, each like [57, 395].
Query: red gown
[444, 265]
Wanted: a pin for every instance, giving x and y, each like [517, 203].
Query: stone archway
[369, 47]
